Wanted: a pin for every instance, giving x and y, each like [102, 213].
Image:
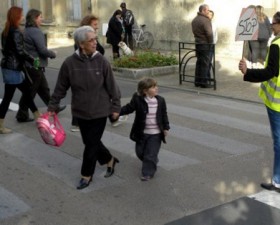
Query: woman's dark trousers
[91, 132]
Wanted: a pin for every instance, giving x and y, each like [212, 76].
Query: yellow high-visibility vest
[270, 90]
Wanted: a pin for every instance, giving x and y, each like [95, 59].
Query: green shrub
[145, 60]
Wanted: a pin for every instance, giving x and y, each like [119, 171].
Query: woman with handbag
[115, 32]
[12, 63]
[35, 45]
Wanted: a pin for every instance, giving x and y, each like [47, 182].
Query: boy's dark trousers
[147, 151]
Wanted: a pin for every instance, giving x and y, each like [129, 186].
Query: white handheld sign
[248, 26]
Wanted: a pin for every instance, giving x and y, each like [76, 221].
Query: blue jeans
[274, 119]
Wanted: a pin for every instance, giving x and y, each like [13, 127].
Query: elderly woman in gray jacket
[95, 96]
[35, 45]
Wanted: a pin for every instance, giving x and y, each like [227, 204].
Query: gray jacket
[95, 93]
[35, 45]
[265, 31]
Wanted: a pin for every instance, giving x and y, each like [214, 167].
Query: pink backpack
[51, 131]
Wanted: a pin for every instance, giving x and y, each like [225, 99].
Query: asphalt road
[127, 87]
[218, 151]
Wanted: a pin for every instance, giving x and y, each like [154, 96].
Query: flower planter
[145, 72]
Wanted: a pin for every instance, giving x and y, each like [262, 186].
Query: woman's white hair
[80, 33]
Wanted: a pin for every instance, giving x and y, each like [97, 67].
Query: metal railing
[187, 64]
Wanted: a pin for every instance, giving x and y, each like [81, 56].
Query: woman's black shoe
[270, 187]
[111, 170]
[83, 183]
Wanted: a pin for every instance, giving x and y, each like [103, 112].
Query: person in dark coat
[150, 125]
[14, 57]
[93, 21]
[95, 96]
[115, 32]
[203, 35]
[269, 93]
[128, 24]
[35, 45]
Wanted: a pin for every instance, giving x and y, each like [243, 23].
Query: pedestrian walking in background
[35, 45]
[128, 21]
[95, 96]
[115, 32]
[14, 57]
[150, 125]
[93, 21]
[270, 94]
[203, 35]
[259, 47]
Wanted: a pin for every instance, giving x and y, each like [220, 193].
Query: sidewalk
[230, 82]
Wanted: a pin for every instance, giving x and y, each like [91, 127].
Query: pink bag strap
[45, 116]
[57, 122]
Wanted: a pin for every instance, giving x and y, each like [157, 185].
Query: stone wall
[168, 20]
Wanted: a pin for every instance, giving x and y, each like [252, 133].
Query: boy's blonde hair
[145, 84]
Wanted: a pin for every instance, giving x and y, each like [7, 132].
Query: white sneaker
[123, 118]
[120, 121]
[75, 129]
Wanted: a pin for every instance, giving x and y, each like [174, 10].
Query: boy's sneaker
[119, 121]
[146, 178]
[75, 129]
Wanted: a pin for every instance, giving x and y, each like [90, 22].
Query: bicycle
[141, 38]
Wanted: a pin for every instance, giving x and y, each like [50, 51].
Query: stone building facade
[168, 20]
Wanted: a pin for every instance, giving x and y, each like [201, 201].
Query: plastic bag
[51, 130]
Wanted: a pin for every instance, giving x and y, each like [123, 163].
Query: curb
[151, 72]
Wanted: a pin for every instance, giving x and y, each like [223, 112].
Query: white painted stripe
[13, 106]
[52, 161]
[10, 205]
[220, 119]
[213, 141]
[271, 198]
[235, 105]
[167, 160]
[210, 141]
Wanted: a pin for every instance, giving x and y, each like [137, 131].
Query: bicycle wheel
[148, 40]
[134, 43]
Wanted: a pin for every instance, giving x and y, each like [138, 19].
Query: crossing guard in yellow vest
[270, 94]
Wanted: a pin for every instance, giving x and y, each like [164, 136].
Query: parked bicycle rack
[187, 63]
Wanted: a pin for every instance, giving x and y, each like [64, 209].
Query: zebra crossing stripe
[220, 119]
[10, 205]
[52, 161]
[258, 109]
[167, 160]
[13, 106]
[212, 141]
[271, 198]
